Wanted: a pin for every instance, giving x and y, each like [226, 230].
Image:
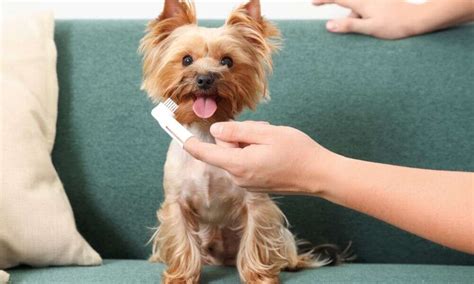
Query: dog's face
[211, 73]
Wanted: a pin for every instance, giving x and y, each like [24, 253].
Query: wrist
[425, 13]
[332, 180]
[415, 21]
[436, 15]
[322, 173]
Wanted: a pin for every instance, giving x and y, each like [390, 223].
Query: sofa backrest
[407, 102]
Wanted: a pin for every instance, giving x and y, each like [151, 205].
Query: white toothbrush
[164, 114]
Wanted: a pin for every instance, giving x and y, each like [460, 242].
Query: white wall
[146, 9]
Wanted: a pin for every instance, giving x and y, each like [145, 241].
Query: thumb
[350, 25]
[242, 132]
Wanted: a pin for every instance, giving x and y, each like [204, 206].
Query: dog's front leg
[176, 244]
[262, 247]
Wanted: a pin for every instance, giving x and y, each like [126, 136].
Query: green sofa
[408, 102]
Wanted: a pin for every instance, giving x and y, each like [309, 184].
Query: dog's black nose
[204, 81]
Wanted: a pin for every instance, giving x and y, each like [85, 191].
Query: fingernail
[331, 26]
[216, 129]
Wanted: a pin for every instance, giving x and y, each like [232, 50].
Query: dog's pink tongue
[204, 107]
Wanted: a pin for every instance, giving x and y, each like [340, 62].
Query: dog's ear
[253, 9]
[249, 16]
[182, 12]
[176, 13]
[248, 23]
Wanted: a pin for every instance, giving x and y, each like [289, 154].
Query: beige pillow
[4, 277]
[36, 221]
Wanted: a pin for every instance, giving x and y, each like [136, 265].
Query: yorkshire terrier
[213, 74]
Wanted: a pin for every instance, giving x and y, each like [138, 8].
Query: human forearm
[437, 205]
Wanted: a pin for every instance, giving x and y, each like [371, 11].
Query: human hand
[396, 19]
[263, 157]
[277, 159]
[392, 19]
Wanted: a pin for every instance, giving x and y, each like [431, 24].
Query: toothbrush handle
[177, 131]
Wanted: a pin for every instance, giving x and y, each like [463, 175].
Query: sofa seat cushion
[141, 271]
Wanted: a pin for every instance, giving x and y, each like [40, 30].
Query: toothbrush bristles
[171, 105]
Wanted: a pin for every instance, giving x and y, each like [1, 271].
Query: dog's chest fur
[208, 190]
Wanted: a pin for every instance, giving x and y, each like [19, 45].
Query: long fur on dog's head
[247, 39]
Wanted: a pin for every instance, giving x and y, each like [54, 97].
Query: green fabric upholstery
[140, 271]
[406, 102]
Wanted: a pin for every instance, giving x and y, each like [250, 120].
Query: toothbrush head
[164, 114]
[171, 105]
[167, 107]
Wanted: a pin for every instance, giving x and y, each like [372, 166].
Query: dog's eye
[187, 60]
[227, 61]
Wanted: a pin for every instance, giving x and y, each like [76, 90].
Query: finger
[246, 132]
[350, 25]
[213, 154]
[354, 15]
[227, 144]
[231, 144]
[345, 3]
